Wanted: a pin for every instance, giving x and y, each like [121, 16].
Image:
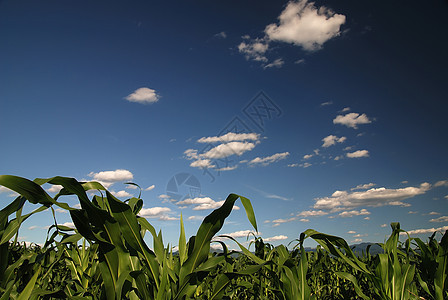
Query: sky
[328, 115]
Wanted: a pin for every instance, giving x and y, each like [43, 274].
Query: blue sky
[328, 115]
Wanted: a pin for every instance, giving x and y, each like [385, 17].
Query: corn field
[105, 257]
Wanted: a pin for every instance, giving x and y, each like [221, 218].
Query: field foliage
[106, 257]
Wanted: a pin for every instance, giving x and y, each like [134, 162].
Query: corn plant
[105, 257]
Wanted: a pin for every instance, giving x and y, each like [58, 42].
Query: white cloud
[108, 178]
[383, 225]
[293, 165]
[221, 34]
[143, 95]
[264, 161]
[228, 149]
[167, 218]
[360, 235]
[332, 140]
[352, 120]
[6, 190]
[273, 196]
[308, 156]
[68, 224]
[428, 230]
[440, 219]
[195, 218]
[121, 194]
[300, 61]
[304, 25]
[278, 63]
[372, 198]
[305, 165]
[367, 218]
[352, 213]
[356, 241]
[412, 212]
[434, 213]
[275, 238]
[202, 163]
[60, 210]
[363, 186]
[441, 183]
[239, 234]
[55, 188]
[230, 137]
[312, 213]
[33, 227]
[161, 213]
[326, 103]
[229, 168]
[358, 154]
[254, 49]
[346, 109]
[351, 232]
[149, 188]
[281, 221]
[304, 220]
[203, 203]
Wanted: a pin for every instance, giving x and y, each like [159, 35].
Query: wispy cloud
[221, 35]
[203, 203]
[264, 161]
[275, 238]
[425, 231]
[150, 188]
[230, 137]
[440, 219]
[278, 63]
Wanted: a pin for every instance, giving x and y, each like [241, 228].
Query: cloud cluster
[143, 95]
[332, 140]
[374, 197]
[228, 144]
[425, 231]
[440, 219]
[301, 24]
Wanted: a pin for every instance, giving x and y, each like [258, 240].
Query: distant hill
[362, 247]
